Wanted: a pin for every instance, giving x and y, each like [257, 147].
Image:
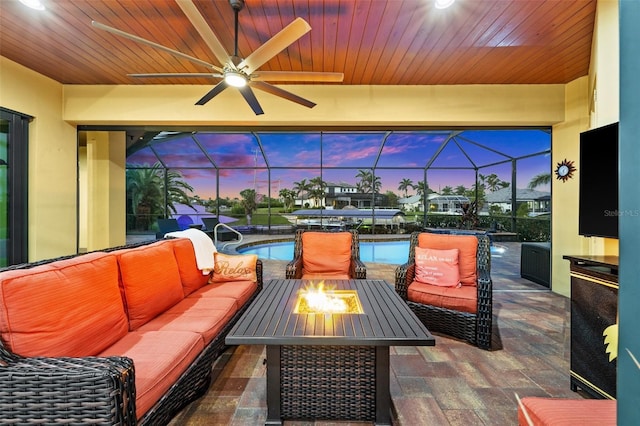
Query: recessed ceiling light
[443, 4]
[33, 4]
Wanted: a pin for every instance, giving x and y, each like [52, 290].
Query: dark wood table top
[386, 321]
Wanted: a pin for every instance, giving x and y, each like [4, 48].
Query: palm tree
[493, 182]
[422, 188]
[539, 180]
[364, 185]
[317, 190]
[447, 190]
[404, 186]
[368, 182]
[144, 196]
[147, 189]
[376, 183]
[460, 190]
[175, 189]
[302, 188]
[288, 196]
[248, 202]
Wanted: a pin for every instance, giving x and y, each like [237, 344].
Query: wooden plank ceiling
[395, 42]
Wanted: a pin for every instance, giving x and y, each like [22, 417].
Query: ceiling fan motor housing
[237, 4]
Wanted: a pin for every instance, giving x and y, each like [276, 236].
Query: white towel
[202, 246]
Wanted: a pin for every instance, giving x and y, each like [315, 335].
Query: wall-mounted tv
[598, 171]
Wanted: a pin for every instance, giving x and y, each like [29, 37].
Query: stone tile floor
[452, 383]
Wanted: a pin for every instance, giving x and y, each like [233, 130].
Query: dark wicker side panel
[328, 382]
[78, 391]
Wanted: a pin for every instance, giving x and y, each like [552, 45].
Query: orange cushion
[437, 267]
[238, 267]
[466, 244]
[159, 358]
[66, 308]
[326, 253]
[464, 298]
[241, 291]
[567, 412]
[150, 280]
[191, 277]
[333, 276]
[205, 316]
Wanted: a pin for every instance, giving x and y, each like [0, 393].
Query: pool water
[394, 252]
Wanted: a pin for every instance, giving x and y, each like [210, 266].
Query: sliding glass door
[14, 128]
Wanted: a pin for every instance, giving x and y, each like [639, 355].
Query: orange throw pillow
[437, 267]
[467, 259]
[241, 267]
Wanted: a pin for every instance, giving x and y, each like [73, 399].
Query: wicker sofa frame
[473, 328]
[97, 390]
[357, 269]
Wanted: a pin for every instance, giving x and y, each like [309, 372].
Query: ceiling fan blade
[154, 45]
[326, 77]
[251, 99]
[275, 45]
[197, 20]
[269, 88]
[213, 92]
[180, 75]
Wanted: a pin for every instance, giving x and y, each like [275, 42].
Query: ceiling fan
[234, 70]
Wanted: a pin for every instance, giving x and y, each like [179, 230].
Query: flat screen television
[598, 171]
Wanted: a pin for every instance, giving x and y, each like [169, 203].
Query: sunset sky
[245, 158]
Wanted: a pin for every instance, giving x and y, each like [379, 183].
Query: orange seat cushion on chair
[326, 254]
[466, 244]
[463, 299]
[567, 412]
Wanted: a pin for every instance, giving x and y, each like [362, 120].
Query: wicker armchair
[475, 327]
[329, 244]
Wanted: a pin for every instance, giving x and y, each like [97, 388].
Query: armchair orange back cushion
[326, 253]
[468, 252]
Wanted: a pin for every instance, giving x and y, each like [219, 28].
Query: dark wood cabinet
[594, 308]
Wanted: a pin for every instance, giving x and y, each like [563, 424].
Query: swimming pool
[394, 252]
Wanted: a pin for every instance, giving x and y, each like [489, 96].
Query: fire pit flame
[317, 300]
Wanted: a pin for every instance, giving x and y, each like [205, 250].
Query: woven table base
[328, 382]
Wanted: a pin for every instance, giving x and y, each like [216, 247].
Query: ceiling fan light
[33, 4]
[235, 79]
[443, 4]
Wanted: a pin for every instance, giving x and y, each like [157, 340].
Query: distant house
[446, 204]
[538, 202]
[339, 195]
[411, 204]
[438, 203]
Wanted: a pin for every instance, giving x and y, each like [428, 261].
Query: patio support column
[628, 389]
[514, 195]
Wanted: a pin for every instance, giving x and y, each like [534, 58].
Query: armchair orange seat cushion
[464, 298]
[566, 412]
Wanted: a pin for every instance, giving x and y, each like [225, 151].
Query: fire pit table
[329, 366]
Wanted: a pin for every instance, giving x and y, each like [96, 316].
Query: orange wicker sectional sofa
[124, 336]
